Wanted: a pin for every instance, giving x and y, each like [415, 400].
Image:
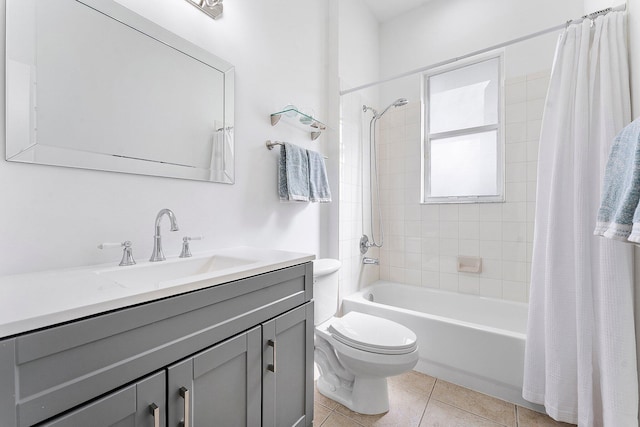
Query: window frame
[427, 137]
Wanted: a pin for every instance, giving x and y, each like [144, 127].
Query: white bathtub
[469, 340]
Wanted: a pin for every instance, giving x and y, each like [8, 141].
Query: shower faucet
[157, 254]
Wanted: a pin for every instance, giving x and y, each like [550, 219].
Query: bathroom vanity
[228, 346]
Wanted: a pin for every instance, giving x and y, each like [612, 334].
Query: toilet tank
[325, 288]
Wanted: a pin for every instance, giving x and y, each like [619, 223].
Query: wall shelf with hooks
[310, 123]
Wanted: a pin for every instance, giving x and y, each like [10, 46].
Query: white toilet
[357, 352]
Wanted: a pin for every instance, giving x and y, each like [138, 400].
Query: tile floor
[418, 400]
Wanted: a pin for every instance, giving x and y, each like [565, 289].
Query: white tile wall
[423, 241]
[353, 181]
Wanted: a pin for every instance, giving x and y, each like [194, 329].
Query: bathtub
[468, 340]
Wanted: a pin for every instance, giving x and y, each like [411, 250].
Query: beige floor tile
[488, 407]
[320, 413]
[529, 418]
[408, 416]
[321, 399]
[337, 420]
[440, 414]
[414, 381]
[408, 396]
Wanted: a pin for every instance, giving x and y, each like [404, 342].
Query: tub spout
[367, 260]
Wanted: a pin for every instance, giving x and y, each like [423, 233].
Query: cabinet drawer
[123, 408]
[61, 367]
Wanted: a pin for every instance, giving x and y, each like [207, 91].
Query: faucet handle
[186, 251]
[110, 245]
[127, 252]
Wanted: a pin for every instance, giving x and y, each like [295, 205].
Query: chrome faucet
[186, 251]
[157, 254]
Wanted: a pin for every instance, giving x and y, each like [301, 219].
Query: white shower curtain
[580, 360]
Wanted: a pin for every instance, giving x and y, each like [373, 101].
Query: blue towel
[319, 190]
[293, 174]
[619, 213]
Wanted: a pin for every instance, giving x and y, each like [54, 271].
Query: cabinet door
[219, 386]
[138, 405]
[287, 375]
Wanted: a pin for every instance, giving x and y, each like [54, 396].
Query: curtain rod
[592, 15]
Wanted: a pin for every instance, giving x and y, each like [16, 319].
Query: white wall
[594, 5]
[444, 29]
[359, 49]
[54, 217]
[441, 30]
[358, 63]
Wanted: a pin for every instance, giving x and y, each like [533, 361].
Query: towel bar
[270, 144]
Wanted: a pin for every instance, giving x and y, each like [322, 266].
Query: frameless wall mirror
[90, 84]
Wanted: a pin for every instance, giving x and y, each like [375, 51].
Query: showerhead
[397, 103]
[400, 102]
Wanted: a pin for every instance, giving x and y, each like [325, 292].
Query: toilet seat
[372, 334]
[356, 354]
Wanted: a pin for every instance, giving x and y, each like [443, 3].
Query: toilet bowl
[357, 352]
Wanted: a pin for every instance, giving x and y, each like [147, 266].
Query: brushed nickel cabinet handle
[272, 368]
[155, 412]
[184, 393]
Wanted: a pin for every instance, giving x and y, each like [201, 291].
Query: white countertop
[37, 300]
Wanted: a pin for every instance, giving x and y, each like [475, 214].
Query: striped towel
[619, 213]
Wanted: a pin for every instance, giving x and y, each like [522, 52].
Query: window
[462, 156]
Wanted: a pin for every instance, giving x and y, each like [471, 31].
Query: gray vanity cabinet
[218, 387]
[138, 405]
[287, 344]
[258, 378]
[207, 355]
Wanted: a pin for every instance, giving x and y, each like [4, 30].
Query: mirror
[90, 84]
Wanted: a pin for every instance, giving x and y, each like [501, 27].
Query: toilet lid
[324, 266]
[374, 334]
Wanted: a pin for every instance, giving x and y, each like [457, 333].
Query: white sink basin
[36, 300]
[173, 272]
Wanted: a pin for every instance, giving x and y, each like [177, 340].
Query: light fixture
[213, 8]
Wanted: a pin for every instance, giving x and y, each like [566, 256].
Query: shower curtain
[580, 360]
